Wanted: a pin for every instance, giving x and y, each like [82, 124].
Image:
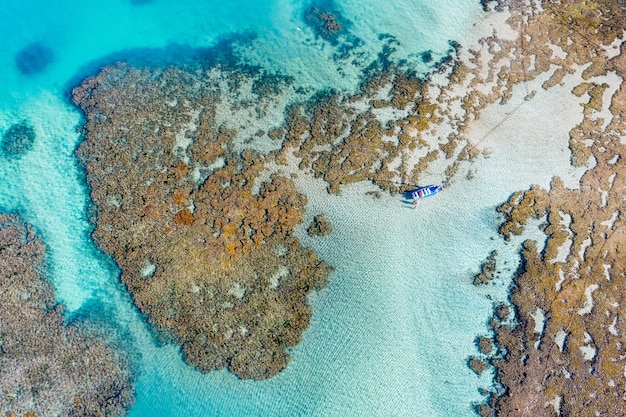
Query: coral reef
[198, 217]
[477, 365]
[575, 364]
[33, 58]
[17, 140]
[343, 139]
[325, 20]
[488, 270]
[201, 222]
[48, 368]
[205, 245]
[320, 226]
[563, 353]
[187, 206]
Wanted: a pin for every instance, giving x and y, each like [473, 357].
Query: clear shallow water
[392, 332]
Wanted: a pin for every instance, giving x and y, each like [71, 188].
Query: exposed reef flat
[563, 354]
[48, 368]
[206, 248]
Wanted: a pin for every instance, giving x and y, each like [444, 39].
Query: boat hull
[427, 191]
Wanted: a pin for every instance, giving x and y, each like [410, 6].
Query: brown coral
[206, 248]
[44, 364]
[488, 270]
[575, 365]
[320, 226]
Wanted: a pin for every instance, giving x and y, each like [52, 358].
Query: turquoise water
[391, 333]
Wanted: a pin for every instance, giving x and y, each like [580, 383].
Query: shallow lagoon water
[391, 333]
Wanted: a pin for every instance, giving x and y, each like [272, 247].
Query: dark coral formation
[563, 355]
[426, 56]
[325, 20]
[488, 270]
[17, 140]
[320, 226]
[33, 58]
[205, 245]
[477, 365]
[46, 367]
[485, 345]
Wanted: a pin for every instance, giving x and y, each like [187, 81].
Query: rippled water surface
[392, 332]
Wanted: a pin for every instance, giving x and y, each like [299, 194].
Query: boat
[420, 193]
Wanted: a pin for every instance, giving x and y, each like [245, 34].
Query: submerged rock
[48, 368]
[320, 226]
[325, 20]
[488, 270]
[478, 365]
[33, 58]
[485, 345]
[17, 140]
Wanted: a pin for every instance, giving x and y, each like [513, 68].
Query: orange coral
[179, 198]
[184, 217]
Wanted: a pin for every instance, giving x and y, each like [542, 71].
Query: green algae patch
[48, 368]
[205, 244]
